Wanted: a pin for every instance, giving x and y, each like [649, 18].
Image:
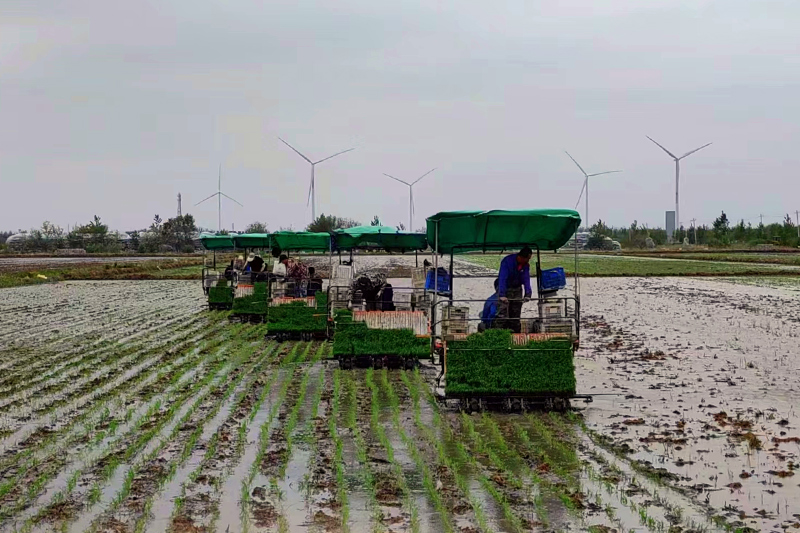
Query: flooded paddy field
[125, 406]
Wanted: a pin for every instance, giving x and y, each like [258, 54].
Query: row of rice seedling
[236, 454]
[50, 368]
[364, 472]
[378, 429]
[273, 468]
[115, 452]
[96, 373]
[231, 445]
[147, 446]
[72, 432]
[39, 465]
[338, 457]
[238, 391]
[452, 452]
[58, 354]
[271, 449]
[446, 468]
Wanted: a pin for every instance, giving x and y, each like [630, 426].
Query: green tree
[721, 225]
[178, 233]
[257, 227]
[327, 223]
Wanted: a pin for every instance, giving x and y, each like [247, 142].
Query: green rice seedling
[357, 339]
[294, 416]
[408, 502]
[488, 363]
[338, 460]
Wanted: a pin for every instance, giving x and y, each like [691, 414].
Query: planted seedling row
[363, 472]
[162, 466]
[459, 495]
[46, 380]
[153, 441]
[123, 449]
[199, 501]
[258, 490]
[396, 486]
[94, 373]
[74, 460]
[71, 432]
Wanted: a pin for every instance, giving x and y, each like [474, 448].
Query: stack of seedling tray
[220, 296]
[356, 344]
[299, 320]
[490, 367]
[253, 306]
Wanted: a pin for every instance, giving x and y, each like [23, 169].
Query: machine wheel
[473, 405]
[410, 363]
[560, 405]
[377, 362]
[549, 404]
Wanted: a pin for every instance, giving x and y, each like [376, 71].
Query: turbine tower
[677, 177]
[586, 186]
[312, 194]
[219, 194]
[410, 196]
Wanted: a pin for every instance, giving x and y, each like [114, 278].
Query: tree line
[720, 233]
[171, 235]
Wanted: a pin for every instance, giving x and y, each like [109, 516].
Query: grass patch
[618, 265]
[158, 269]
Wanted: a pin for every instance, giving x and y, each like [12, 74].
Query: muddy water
[707, 374]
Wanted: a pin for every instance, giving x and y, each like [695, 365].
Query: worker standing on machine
[515, 274]
[490, 308]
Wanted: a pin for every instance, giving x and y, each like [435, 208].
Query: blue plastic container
[553, 279]
[443, 281]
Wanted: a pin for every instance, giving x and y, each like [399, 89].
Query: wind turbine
[677, 176]
[410, 196]
[312, 196]
[586, 186]
[219, 194]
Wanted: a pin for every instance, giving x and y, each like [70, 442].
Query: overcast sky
[112, 108]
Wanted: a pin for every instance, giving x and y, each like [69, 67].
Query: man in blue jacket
[489, 312]
[515, 275]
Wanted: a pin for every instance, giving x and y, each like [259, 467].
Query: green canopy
[252, 240]
[385, 237]
[462, 231]
[301, 241]
[216, 242]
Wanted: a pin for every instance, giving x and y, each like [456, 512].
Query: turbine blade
[419, 178]
[581, 195]
[668, 152]
[413, 209]
[334, 155]
[310, 186]
[693, 151]
[229, 198]
[395, 179]
[295, 149]
[204, 199]
[573, 160]
[606, 172]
